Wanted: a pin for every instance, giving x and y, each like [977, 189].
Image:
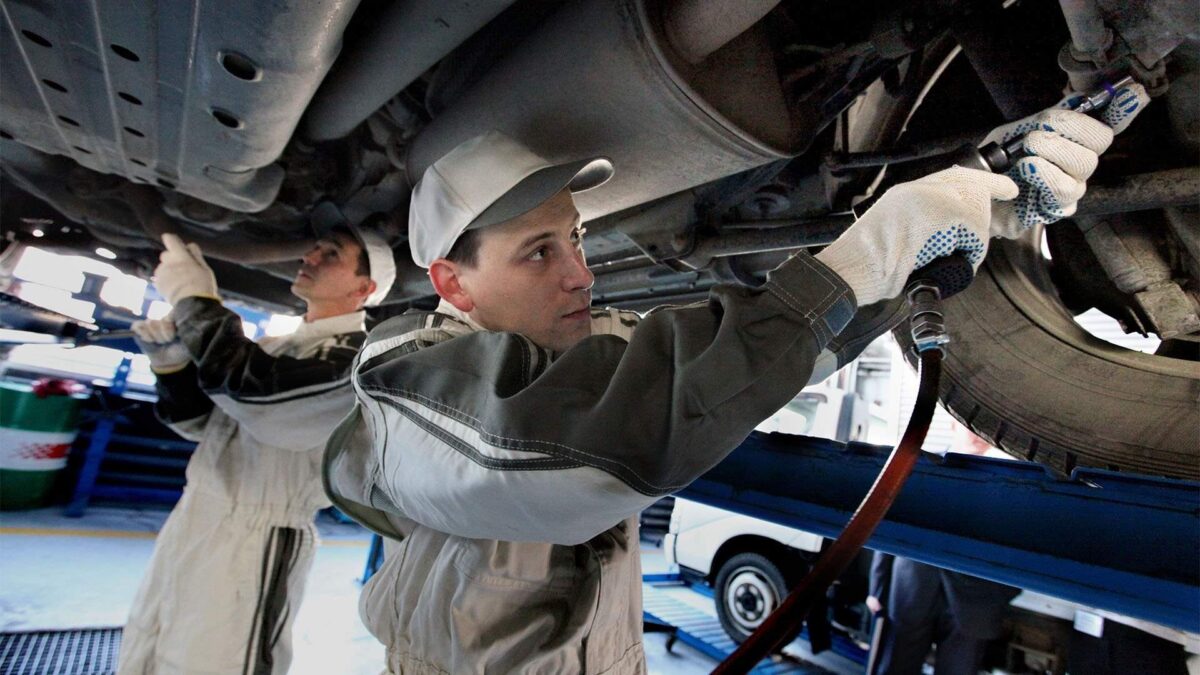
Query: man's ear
[365, 290]
[448, 284]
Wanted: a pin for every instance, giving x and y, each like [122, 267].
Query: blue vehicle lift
[1124, 543]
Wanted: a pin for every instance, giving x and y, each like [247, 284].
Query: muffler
[601, 77]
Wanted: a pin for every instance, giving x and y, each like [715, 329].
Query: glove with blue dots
[914, 223]
[1063, 148]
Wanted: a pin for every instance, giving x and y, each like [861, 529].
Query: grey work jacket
[508, 478]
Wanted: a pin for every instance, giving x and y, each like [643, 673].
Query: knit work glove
[914, 223]
[1063, 148]
[157, 339]
[182, 272]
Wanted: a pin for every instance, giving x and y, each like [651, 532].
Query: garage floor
[61, 573]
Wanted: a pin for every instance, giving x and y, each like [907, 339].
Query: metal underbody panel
[193, 96]
[1124, 543]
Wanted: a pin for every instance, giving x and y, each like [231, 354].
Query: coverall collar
[445, 307]
[350, 322]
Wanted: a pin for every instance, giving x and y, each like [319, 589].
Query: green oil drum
[35, 435]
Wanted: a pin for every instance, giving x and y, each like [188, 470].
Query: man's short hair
[465, 250]
[364, 265]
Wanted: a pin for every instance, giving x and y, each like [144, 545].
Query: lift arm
[1124, 543]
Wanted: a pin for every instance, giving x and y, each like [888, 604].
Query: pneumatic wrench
[925, 290]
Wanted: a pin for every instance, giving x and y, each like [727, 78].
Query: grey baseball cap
[485, 181]
[380, 260]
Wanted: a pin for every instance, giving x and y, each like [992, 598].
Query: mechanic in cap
[505, 443]
[231, 561]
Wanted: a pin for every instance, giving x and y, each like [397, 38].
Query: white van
[750, 563]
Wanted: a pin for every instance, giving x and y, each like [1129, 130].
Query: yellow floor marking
[127, 534]
[54, 532]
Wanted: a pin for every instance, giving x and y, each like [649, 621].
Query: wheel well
[789, 560]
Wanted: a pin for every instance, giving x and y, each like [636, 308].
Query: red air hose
[784, 624]
[927, 287]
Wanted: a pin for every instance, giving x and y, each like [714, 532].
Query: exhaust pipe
[409, 38]
[602, 78]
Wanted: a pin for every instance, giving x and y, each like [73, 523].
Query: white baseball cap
[380, 261]
[484, 181]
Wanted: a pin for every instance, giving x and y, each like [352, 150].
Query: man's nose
[312, 257]
[577, 276]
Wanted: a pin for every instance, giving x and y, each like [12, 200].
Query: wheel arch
[791, 561]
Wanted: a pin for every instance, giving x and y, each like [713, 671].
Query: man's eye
[538, 254]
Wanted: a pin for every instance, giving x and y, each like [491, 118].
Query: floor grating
[67, 652]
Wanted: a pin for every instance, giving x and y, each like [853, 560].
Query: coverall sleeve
[868, 323]
[281, 401]
[488, 436]
[182, 405]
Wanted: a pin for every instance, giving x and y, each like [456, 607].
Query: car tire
[1023, 375]
[749, 586]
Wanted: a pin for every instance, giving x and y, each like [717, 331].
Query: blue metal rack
[166, 460]
[97, 445]
[703, 632]
[1123, 543]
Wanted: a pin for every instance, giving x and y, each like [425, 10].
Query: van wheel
[749, 587]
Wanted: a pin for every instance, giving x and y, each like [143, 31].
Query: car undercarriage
[740, 132]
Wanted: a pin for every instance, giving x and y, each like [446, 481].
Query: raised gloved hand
[182, 272]
[913, 223]
[157, 339]
[1064, 148]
